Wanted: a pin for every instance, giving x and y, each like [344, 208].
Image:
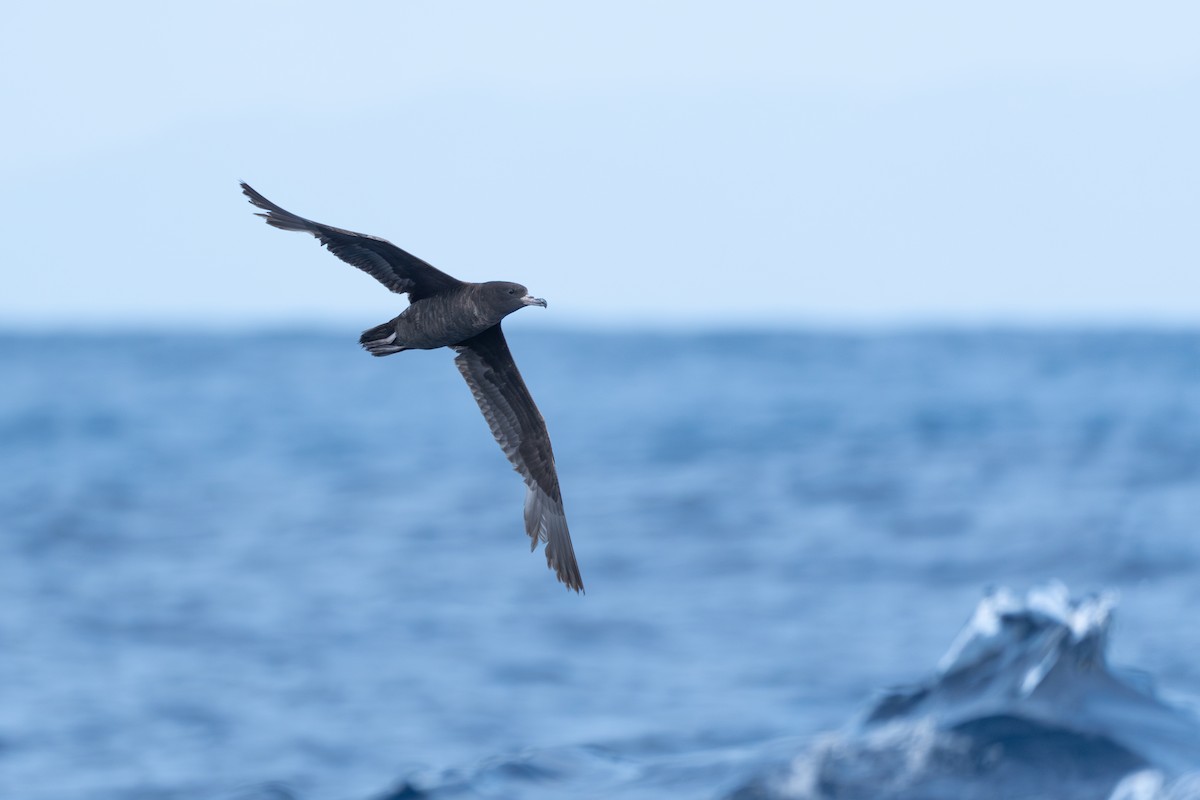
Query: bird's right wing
[487, 364]
[397, 270]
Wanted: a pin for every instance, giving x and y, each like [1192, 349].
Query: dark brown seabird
[446, 312]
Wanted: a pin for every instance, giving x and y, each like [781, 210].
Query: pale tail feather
[381, 340]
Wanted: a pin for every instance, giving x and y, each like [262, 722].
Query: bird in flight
[446, 312]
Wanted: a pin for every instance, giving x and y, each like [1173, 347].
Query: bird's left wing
[487, 364]
[398, 270]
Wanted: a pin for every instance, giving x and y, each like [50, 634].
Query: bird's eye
[512, 291]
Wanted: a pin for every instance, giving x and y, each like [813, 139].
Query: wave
[1024, 704]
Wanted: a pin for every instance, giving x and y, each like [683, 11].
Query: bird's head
[510, 296]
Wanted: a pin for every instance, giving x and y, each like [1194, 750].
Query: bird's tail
[381, 340]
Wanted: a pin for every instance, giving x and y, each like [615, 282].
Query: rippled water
[269, 565]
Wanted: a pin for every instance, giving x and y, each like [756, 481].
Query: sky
[636, 163]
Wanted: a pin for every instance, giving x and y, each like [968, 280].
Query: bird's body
[447, 312]
[442, 320]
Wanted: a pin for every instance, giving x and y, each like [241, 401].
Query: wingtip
[573, 582]
[274, 215]
[568, 573]
[253, 194]
[566, 570]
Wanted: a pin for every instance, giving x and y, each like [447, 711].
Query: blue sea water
[269, 566]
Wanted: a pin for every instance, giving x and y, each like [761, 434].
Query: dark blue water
[271, 566]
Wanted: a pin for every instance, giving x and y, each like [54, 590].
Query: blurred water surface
[238, 560]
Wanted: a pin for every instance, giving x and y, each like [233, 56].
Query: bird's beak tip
[530, 300]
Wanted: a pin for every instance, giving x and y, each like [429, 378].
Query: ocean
[878, 564]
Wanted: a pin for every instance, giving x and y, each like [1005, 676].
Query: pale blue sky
[735, 163]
